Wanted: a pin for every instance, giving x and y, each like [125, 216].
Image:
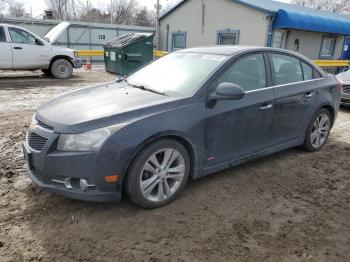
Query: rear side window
[287, 69]
[307, 71]
[248, 72]
[2, 34]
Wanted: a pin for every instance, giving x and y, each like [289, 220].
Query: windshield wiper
[145, 88]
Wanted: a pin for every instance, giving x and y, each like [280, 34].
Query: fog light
[84, 185]
[111, 179]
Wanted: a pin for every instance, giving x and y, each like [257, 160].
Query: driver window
[248, 72]
[20, 36]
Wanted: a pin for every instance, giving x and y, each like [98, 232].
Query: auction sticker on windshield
[219, 58]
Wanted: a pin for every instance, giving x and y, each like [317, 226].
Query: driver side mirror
[38, 42]
[227, 91]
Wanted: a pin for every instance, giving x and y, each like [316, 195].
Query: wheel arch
[331, 110]
[69, 59]
[166, 135]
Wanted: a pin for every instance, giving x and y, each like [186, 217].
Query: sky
[38, 6]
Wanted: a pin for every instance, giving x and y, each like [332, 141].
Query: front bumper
[75, 193]
[77, 62]
[50, 169]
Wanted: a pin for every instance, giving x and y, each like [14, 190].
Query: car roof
[7, 25]
[216, 49]
[231, 50]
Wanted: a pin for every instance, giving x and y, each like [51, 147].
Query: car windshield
[177, 73]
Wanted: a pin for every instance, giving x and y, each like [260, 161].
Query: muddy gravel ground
[291, 206]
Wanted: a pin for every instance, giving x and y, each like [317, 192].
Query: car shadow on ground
[263, 208]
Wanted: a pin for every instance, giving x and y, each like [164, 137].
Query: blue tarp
[310, 22]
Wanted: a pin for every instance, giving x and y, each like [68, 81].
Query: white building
[316, 34]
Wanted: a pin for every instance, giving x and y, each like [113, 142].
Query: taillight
[340, 87]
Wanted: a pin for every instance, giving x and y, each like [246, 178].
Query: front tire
[318, 131]
[158, 174]
[62, 69]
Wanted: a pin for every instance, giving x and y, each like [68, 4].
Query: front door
[28, 52]
[294, 93]
[5, 50]
[239, 128]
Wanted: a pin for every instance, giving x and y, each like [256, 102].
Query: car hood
[56, 31]
[98, 106]
[344, 77]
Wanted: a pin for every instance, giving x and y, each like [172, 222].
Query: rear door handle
[266, 106]
[17, 47]
[308, 95]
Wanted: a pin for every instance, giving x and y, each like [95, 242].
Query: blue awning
[288, 19]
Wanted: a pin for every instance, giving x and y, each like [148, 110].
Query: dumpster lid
[127, 39]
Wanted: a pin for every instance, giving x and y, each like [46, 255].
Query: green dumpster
[125, 54]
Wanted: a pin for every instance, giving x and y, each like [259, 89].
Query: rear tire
[46, 72]
[318, 131]
[158, 174]
[62, 69]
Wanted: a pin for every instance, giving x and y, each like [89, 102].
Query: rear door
[238, 128]
[295, 92]
[5, 50]
[27, 52]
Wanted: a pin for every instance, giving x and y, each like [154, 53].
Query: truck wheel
[46, 72]
[62, 69]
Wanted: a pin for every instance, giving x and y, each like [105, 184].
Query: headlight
[33, 123]
[76, 54]
[87, 141]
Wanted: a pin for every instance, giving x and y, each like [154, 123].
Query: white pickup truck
[21, 49]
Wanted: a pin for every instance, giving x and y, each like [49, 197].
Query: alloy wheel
[320, 130]
[162, 174]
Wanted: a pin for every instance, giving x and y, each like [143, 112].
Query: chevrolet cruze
[186, 115]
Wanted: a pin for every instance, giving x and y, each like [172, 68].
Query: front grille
[346, 89]
[43, 125]
[35, 141]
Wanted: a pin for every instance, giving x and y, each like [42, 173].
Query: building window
[327, 47]
[178, 40]
[227, 37]
[278, 39]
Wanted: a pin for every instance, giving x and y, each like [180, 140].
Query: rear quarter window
[2, 34]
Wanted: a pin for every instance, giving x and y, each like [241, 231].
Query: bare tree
[62, 9]
[94, 15]
[123, 11]
[143, 17]
[3, 5]
[337, 6]
[16, 9]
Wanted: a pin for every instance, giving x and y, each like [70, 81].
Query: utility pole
[111, 10]
[157, 25]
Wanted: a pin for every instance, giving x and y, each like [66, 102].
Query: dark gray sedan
[186, 115]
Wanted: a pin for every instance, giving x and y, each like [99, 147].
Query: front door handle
[266, 106]
[17, 47]
[308, 95]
